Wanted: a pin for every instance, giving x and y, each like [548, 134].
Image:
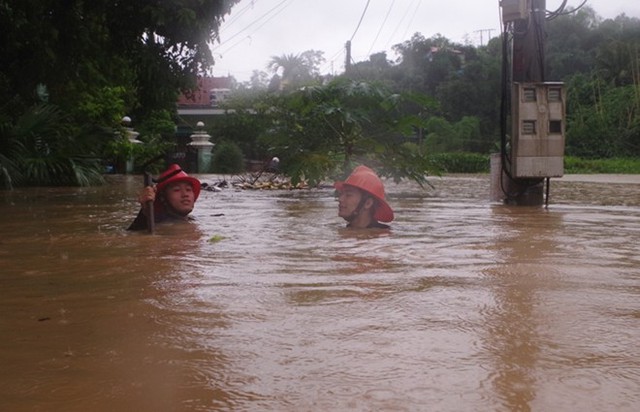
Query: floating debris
[216, 238]
[256, 181]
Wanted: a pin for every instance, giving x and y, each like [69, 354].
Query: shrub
[461, 162]
[227, 158]
[614, 165]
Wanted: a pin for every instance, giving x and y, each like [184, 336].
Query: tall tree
[296, 69]
[320, 130]
[425, 63]
[571, 42]
[98, 60]
[149, 47]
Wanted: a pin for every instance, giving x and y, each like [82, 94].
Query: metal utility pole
[533, 114]
[482, 37]
[528, 45]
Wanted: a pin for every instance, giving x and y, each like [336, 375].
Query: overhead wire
[562, 12]
[413, 16]
[361, 18]
[270, 11]
[329, 62]
[381, 27]
[399, 23]
[556, 12]
[269, 15]
[257, 28]
[364, 12]
[237, 14]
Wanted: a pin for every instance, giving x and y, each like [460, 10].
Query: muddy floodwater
[266, 302]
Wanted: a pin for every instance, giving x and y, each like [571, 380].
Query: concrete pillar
[132, 136]
[495, 190]
[200, 141]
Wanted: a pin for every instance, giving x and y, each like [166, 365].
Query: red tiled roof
[200, 97]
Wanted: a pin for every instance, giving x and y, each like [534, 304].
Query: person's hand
[148, 194]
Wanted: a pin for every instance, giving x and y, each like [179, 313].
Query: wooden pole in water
[148, 181]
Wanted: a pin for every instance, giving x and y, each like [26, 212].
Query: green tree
[571, 43]
[605, 120]
[243, 124]
[297, 69]
[375, 69]
[322, 131]
[41, 148]
[227, 158]
[425, 63]
[441, 136]
[617, 58]
[598, 60]
[102, 59]
[473, 91]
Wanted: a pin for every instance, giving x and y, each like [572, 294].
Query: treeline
[71, 69]
[598, 60]
[439, 97]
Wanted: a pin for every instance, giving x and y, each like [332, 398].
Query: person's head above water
[176, 191]
[361, 200]
[173, 198]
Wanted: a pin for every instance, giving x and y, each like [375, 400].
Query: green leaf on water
[216, 238]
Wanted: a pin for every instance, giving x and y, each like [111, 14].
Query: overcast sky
[256, 30]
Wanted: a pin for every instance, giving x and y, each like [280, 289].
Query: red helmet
[175, 174]
[366, 179]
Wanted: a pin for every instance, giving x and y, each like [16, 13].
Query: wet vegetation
[591, 166]
[433, 109]
[71, 70]
[227, 158]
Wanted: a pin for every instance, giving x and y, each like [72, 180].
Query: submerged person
[361, 200]
[173, 198]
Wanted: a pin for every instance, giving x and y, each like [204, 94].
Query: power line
[236, 15]
[413, 16]
[329, 62]
[399, 23]
[361, 18]
[481, 31]
[381, 27]
[251, 24]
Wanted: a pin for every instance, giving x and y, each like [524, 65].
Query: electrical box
[513, 10]
[538, 129]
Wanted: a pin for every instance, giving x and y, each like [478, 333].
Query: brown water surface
[273, 306]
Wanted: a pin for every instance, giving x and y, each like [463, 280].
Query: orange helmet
[366, 179]
[175, 174]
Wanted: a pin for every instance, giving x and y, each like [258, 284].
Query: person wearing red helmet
[361, 200]
[173, 197]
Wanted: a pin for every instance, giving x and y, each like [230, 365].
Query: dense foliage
[609, 165]
[71, 69]
[96, 61]
[324, 130]
[598, 60]
[600, 63]
[42, 148]
[227, 158]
